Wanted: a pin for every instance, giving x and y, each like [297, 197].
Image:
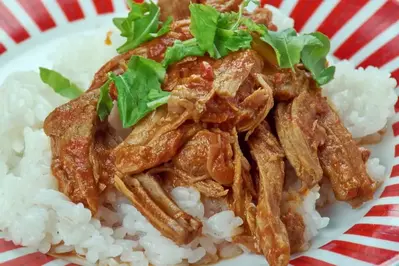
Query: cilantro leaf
[141, 25]
[139, 89]
[59, 83]
[180, 50]
[227, 41]
[105, 103]
[288, 45]
[203, 26]
[314, 58]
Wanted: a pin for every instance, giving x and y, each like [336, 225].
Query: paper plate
[364, 31]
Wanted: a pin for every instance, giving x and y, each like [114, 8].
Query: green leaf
[203, 26]
[232, 41]
[228, 20]
[164, 29]
[59, 83]
[141, 25]
[139, 89]
[288, 46]
[314, 58]
[254, 27]
[180, 50]
[105, 103]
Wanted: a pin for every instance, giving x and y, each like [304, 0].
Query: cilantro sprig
[59, 83]
[141, 25]
[139, 91]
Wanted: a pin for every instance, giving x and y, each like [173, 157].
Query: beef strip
[150, 199]
[207, 155]
[287, 84]
[271, 233]
[343, 162]
[71, 128]
[301, 135]
[153, 141]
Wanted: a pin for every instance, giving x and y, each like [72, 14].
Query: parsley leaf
[203, 26]
[314, 58]
[180, 50]
[231, 41]
[105, 103]
[139, 89]
[59, 83]
[288, 45]
[141, 25]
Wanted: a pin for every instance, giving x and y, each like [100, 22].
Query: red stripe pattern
[103, 6]
[383, 55]
[303, 11]
[71, 9]
[395, 171]
[308, 261]
[395, 74]
[368, 254]
[384, 232]
[384, 210]
[377, 23]
[391, 191]
[3, 49]
[397, 150]
[6, 246]
[11, 25]
[341, 13]
[38, 12]
[30, 259]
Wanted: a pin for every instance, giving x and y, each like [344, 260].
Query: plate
[366, 32]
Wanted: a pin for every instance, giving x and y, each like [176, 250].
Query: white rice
[28, 191]
[279, 19]
[364, 98]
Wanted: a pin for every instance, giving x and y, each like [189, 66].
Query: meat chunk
[270, 230]
[237, 96]
[342, 161]
[209, 188]
[287, 84]
[233, 70]
[207, 155]
[151, 200]
[301, 135]
[178, 9]
[262, 16]
[153, 141]
[71, 128]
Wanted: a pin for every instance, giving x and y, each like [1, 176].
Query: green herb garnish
[314, 58]
[59, 83]
[139, 89]
[105, 103]
[181, 50]
[141, 25]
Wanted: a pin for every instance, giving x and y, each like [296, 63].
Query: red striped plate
[364, 31]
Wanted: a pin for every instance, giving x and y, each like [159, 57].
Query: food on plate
[212, 133]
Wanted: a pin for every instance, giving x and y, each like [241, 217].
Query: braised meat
[301, 135]
[343, 162]
[153, 141]
[207, 155]
[71, 128]
[270, 230]
[151, 200]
